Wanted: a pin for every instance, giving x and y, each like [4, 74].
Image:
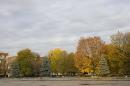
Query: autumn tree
[62, 62]
[126, 51]
[115, 59]
[71, 70]
[54, 56]
[118, 53]
[66, 64]
[26, 60]
[118, 39]
[88, 52]
[36, 62]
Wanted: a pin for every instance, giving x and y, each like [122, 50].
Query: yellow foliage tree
[54, 56]
[88, 52]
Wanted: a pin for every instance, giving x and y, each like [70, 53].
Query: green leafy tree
[26, 60]
[70, 65]
[62, 63]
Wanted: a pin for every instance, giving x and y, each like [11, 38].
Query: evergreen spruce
[45, 67]
[103, 66]
[15, 70]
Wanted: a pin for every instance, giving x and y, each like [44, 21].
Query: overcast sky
[42, 25]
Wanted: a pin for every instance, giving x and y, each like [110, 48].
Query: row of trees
[28, 64]
[92, 57]
[96, 57]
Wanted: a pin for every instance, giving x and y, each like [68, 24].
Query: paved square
[62, 83]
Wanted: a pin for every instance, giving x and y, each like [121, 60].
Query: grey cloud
[46, 24]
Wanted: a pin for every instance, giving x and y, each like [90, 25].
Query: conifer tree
[45, 67]
[103, 66]
[15, 70]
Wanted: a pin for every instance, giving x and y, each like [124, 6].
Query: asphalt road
[4, 82]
